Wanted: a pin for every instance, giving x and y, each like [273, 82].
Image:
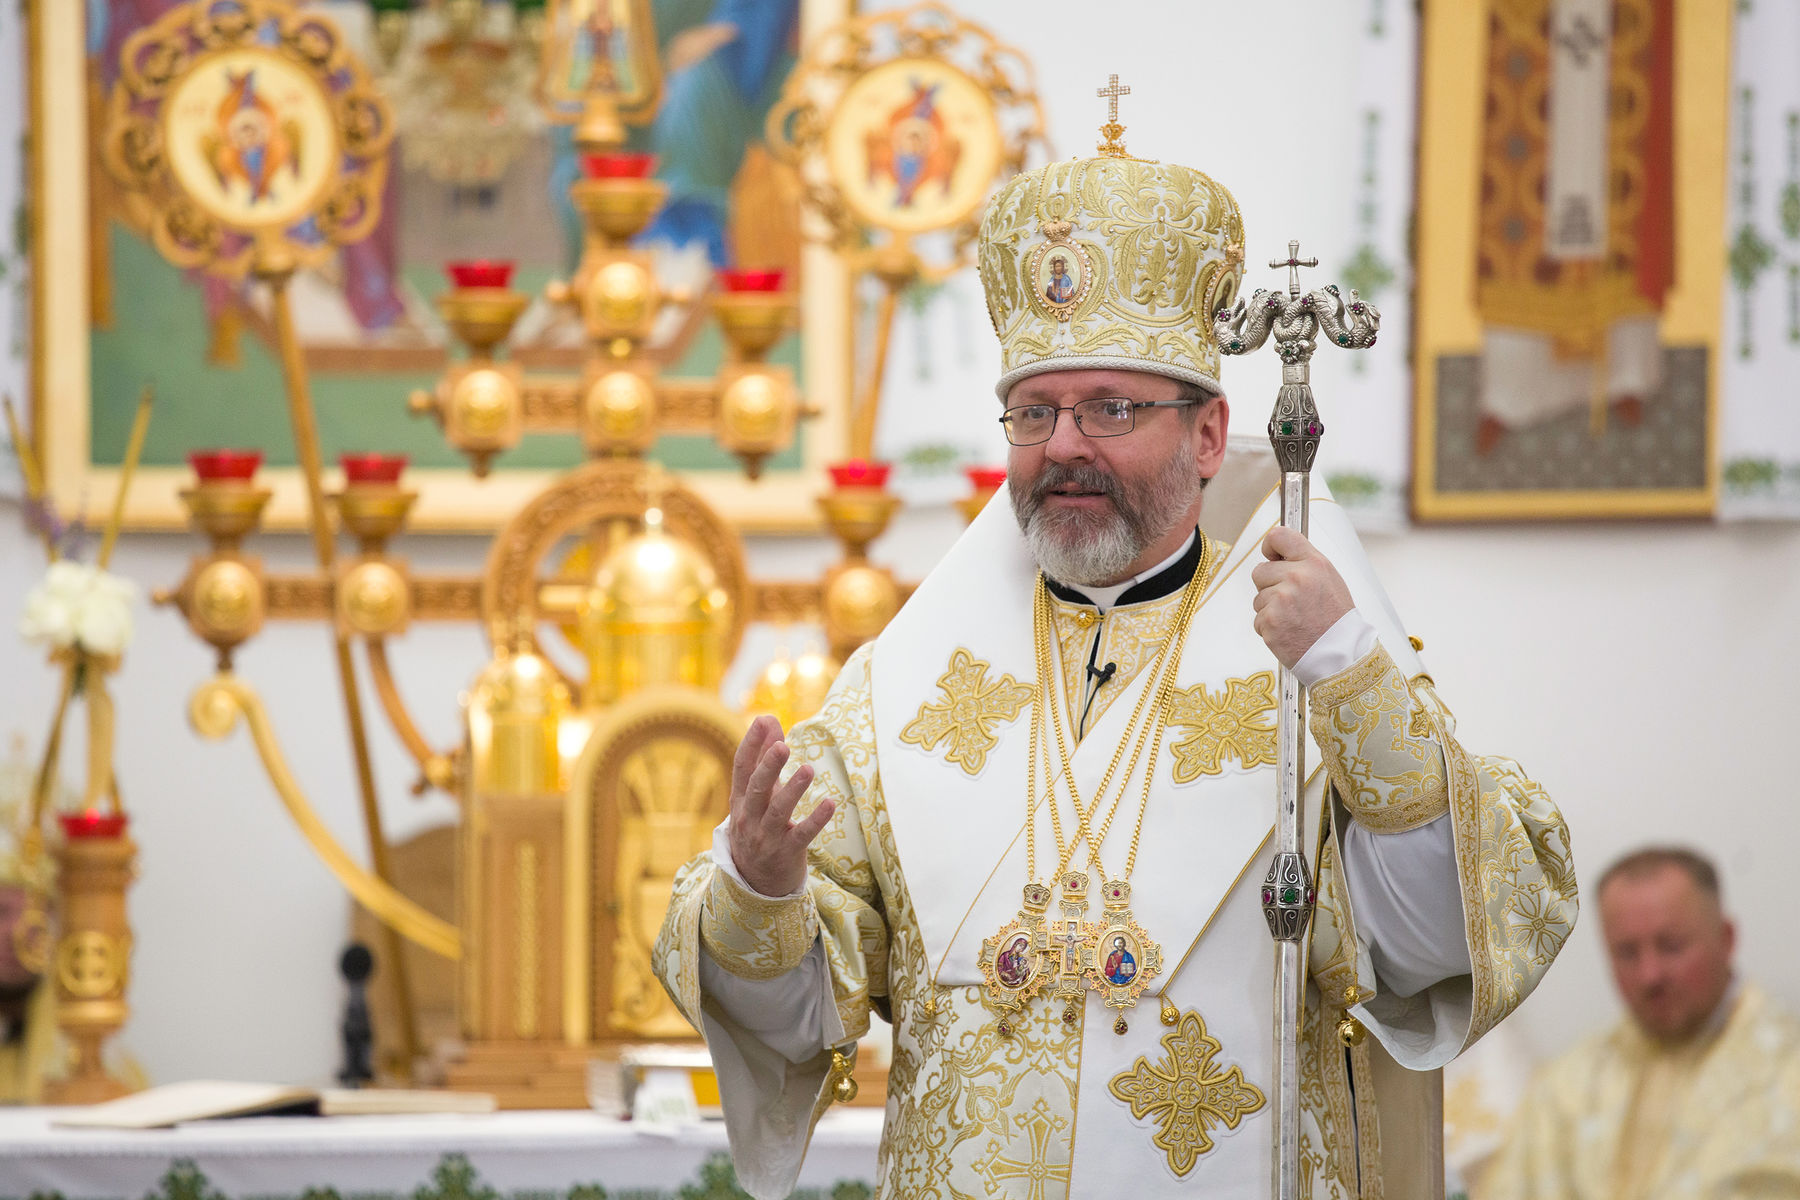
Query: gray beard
[1094, 549]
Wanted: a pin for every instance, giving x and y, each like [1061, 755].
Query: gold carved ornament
[643, 799]
[966, 715]
[91, 965]
[247, 146]
[914, 85]
[598, 492]
[1237, 724]
[919, 78]
[1187, 1093]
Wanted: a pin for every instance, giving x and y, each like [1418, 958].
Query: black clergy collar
[1166, 582]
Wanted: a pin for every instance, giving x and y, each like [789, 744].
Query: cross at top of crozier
[1293, 262]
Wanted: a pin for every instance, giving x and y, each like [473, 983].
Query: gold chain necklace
[1028, 953]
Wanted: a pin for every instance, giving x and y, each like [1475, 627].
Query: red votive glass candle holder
[618, 166]
[372, 468]
[92, 824]
[480, 272]
[985, 479]
[752, 279]
[216, 466]
[859, 473]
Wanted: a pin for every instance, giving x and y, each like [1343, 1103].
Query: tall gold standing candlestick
[92, 964]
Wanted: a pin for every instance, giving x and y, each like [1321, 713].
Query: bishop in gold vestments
[1039, 805]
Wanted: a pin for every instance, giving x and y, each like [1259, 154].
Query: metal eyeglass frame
[1006, 418]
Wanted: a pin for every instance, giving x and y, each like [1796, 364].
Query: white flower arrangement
[80, 606]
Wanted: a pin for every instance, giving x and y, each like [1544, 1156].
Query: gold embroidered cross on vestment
[1036, 1169]
[1187, 1093]
[1238, 724]
[971, 706]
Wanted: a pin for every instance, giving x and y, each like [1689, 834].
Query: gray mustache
[1084, 477]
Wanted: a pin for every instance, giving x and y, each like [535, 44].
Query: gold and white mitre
[1110, 261]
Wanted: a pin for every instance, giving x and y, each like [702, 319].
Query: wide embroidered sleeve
[770, 1100]
[1381, 745]
[1389, 748]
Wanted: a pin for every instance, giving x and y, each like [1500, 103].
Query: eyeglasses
[1029, 424]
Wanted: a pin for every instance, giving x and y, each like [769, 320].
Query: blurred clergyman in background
[1696, 1094]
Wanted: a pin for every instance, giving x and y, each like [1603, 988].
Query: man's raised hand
[767, 845]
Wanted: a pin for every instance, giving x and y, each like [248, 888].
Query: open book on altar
[201, 1099]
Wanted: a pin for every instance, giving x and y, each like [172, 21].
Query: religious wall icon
[1565, 365]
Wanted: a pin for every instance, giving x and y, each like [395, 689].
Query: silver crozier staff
[1295, 430]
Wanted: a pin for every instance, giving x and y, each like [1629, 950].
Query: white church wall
[1640, 672]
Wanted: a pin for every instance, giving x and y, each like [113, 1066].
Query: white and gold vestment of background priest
[1622, 1118]
[925, 857]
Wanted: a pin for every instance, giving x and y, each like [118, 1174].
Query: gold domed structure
[653, 614]
[516, 708]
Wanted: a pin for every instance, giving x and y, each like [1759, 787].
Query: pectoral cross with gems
[1068, 938]
[1112, 147]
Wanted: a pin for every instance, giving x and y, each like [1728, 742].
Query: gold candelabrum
[585, 780]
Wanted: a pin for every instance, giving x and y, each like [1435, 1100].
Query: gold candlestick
[92, 964]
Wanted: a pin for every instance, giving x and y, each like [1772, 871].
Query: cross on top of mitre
[1111, 145]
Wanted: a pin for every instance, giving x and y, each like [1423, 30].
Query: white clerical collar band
[1165, 579]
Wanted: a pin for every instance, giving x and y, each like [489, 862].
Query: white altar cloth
[505, 1156]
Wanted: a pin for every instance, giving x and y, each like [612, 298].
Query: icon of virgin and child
[1015, 963]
